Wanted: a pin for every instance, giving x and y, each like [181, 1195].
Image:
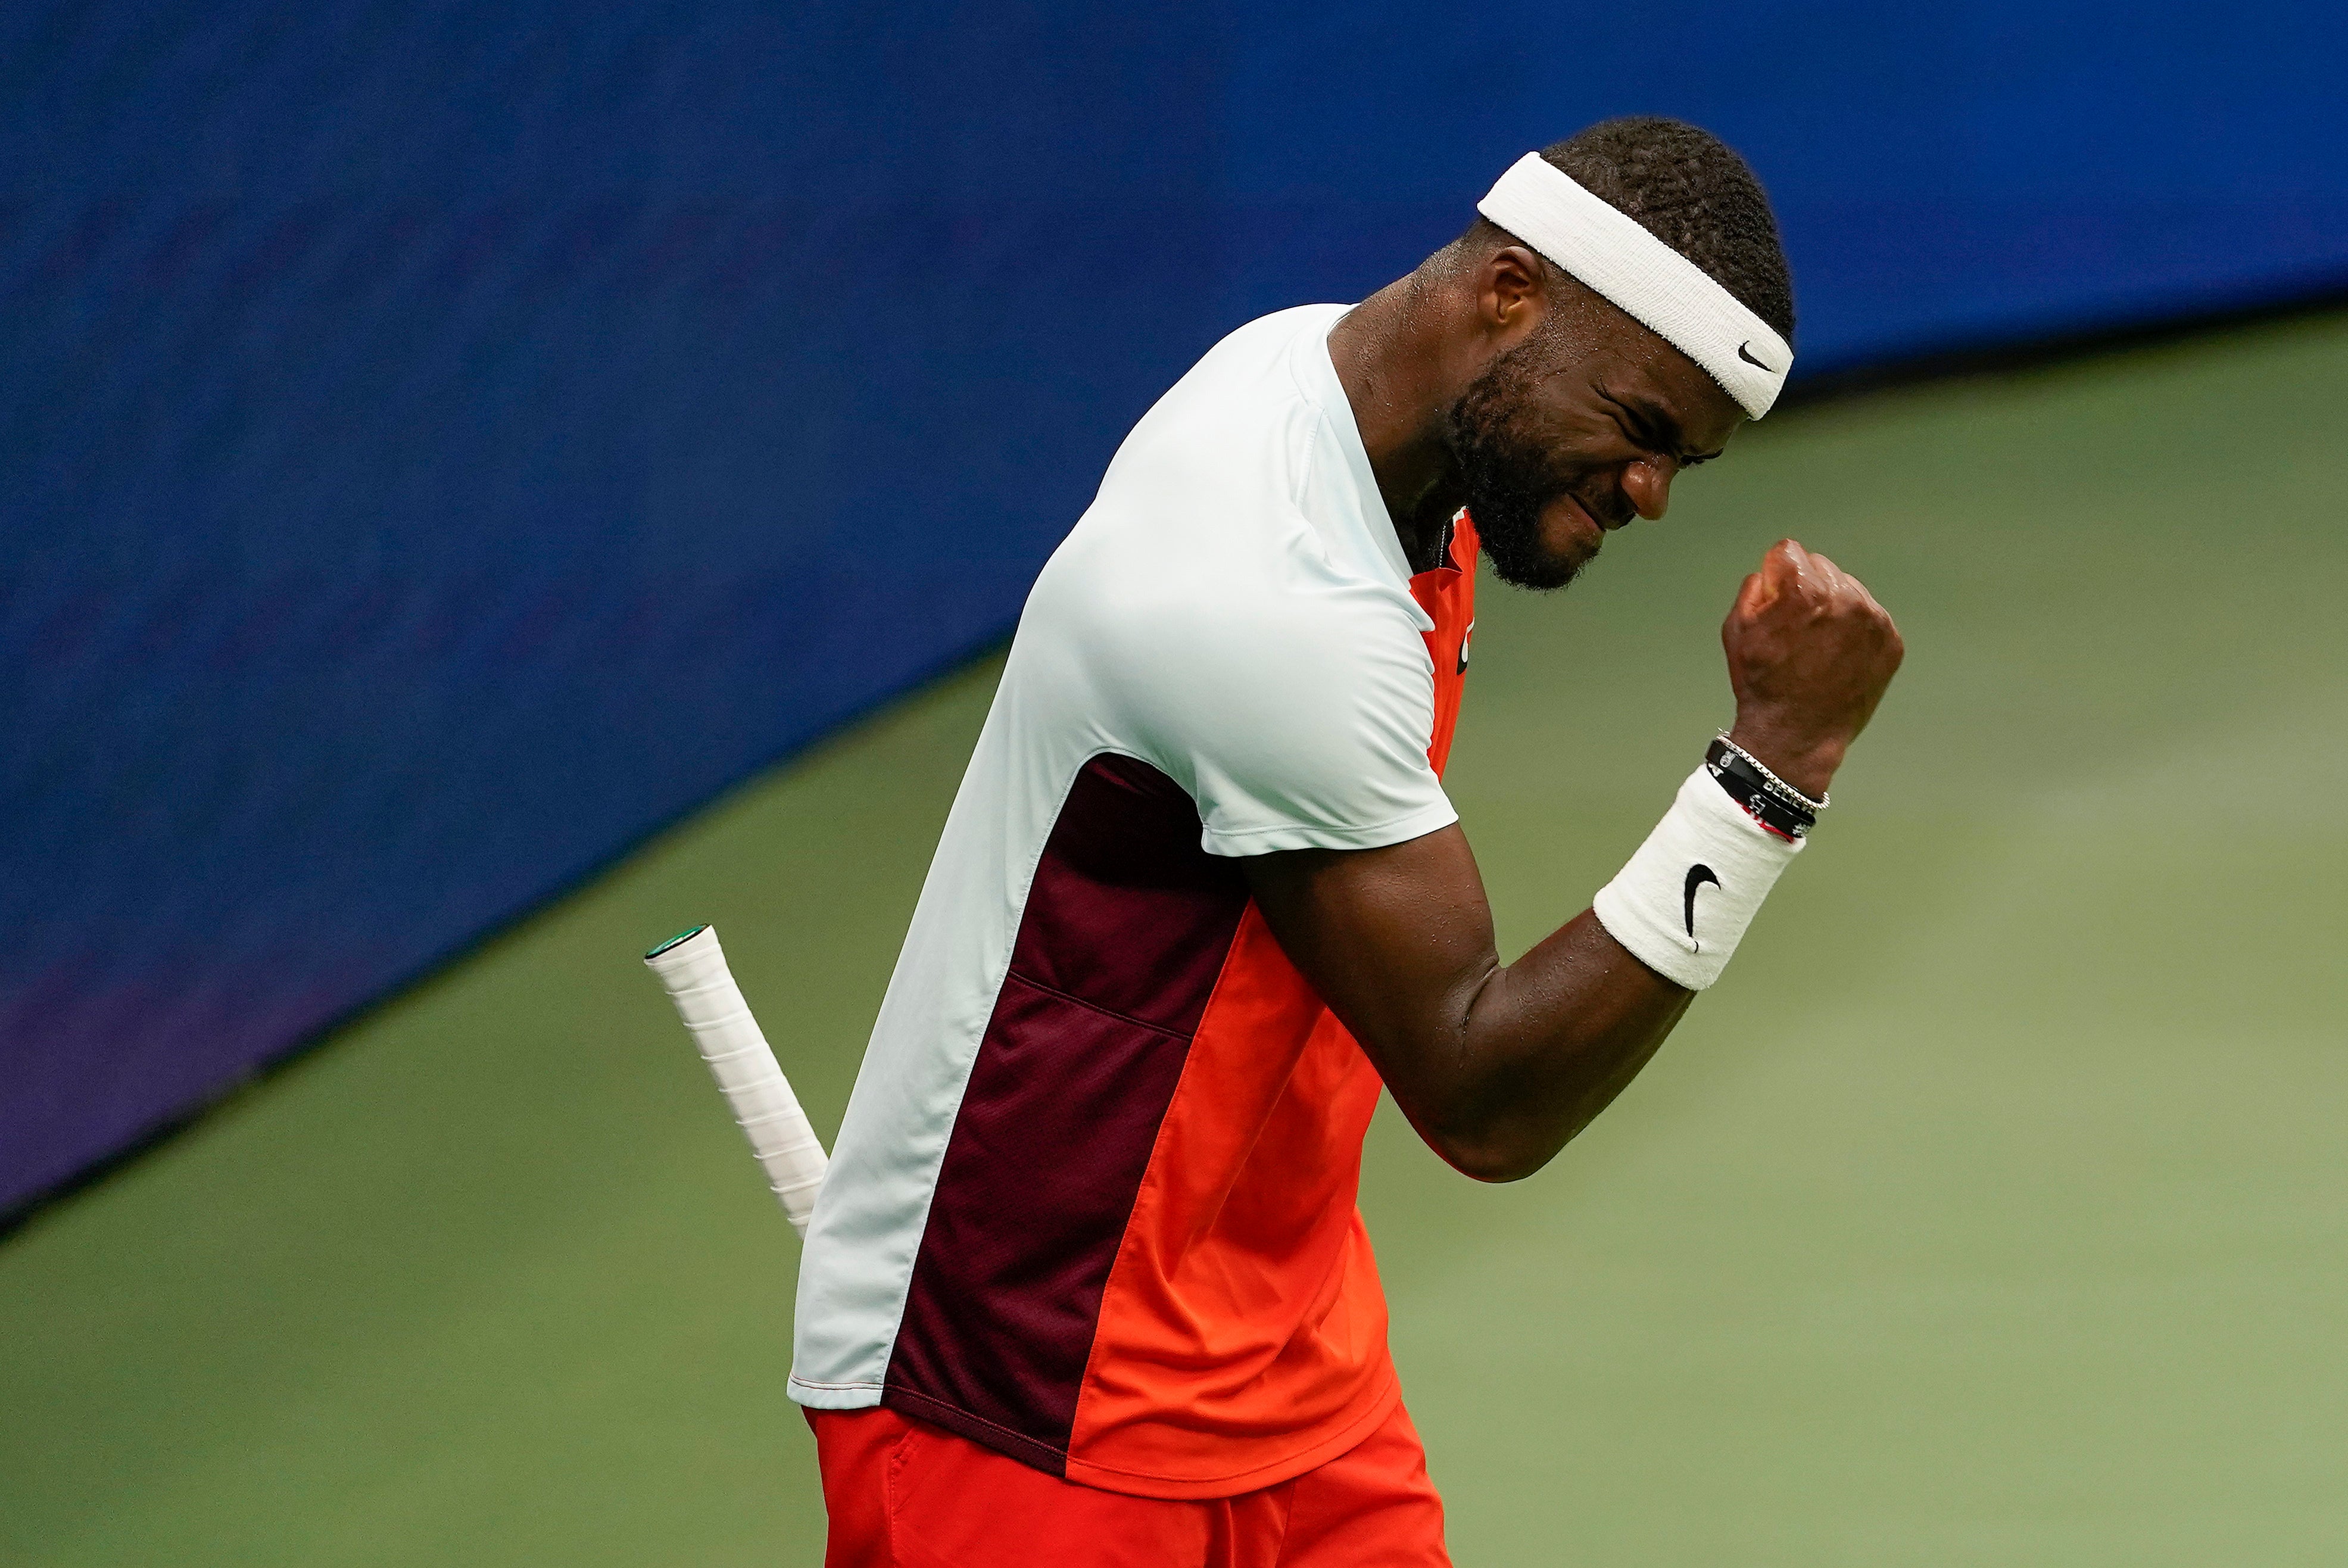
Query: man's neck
[1392, 357]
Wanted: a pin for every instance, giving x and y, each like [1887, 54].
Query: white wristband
[1683, 902]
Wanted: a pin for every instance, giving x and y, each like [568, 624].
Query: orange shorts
[904, 1494]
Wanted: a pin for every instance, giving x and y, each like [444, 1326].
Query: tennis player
[1086, 1283]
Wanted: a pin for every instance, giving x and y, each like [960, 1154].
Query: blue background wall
[439, 445]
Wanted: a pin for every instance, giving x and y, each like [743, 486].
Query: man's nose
[1648, 484]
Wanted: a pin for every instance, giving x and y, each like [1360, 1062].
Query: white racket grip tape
[693, 968]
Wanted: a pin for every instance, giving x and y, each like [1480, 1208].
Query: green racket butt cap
[672, 941]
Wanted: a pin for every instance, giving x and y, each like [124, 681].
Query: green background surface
[1992, 1210]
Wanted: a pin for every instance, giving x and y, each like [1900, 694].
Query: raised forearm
[1496, 1066]
[1546, 1044]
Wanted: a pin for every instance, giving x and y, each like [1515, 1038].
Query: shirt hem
[1028, 1451]
[832, 1395]
[1134, 1483]
[1245, 841]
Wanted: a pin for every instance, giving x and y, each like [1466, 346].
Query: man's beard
[1507, 476]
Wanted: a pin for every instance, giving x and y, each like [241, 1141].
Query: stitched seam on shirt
[1095, 1007]
[1301, 828]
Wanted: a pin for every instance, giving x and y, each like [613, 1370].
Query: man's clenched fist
[1810, 652]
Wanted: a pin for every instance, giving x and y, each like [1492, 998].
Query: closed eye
[1643, 429]
[1636, 428]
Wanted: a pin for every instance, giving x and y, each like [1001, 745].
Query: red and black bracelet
[1759, 793]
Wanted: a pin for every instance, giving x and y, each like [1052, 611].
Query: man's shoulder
[1264, 344]
[1242, 400]
[1227, 531]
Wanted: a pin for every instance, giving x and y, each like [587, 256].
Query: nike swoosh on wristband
[1744, 352]
[1697, 876]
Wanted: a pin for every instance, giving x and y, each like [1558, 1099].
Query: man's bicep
[1396, 939]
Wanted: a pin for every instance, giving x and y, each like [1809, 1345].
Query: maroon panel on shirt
[1127, 912]
[1126, 925]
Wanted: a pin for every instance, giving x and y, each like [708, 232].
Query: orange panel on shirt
[1448, 595]
[1242, 1339]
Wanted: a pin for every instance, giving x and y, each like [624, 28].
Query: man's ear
[1512, 292]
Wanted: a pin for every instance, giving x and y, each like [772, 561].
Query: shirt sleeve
[1305, 725]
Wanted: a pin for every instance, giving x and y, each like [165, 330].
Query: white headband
[1606, 248]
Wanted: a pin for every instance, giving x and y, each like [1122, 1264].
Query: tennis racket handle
[693, 968]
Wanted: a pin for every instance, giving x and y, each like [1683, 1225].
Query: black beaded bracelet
[1777, 786]
[1750, 788]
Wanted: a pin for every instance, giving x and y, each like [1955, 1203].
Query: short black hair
[1691, 190]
